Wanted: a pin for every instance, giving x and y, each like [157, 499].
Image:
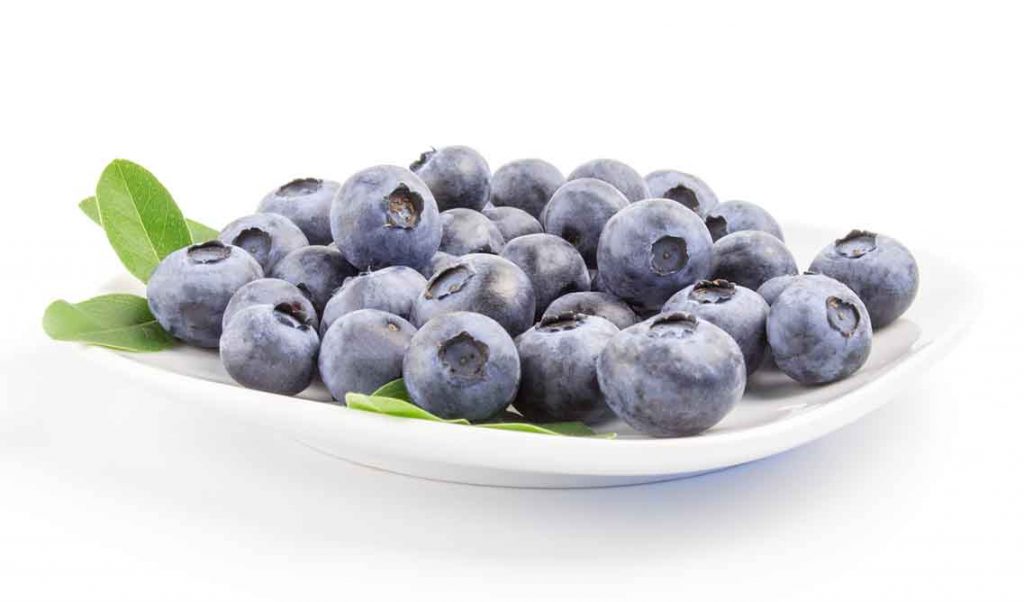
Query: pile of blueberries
[605, 294]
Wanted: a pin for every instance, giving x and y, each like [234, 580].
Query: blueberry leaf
[117, 321]
[572, 429]
[142, 222]
[200, 232]
[393, 407]
[394, 389]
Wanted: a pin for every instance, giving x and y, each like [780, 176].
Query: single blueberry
[878, 268]
[651, 249]
[266, 236]
[385, 216]
[438, 262]
[683, 188]
[750, 258]
[307, 202]
[526, 184]
[594, 303]
[673, 375]
[270, 291]
[737, 216]
[737, 310]
[616, 173]
[393, 290]
[512, 222]
[772, 288]
[316, 269]
[190, 289]
[553, 266]
[819, 331]
[485, 284]
[363, 351]
[462, 365]
[558, 360]
[578, 212]
[270, 348]
[466, 231]
[457, 175]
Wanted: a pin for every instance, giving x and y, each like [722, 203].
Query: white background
[898, 117]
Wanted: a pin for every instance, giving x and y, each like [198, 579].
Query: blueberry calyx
[254, 241]
[677, 324]
[562, 321]
[463, 356]
[684, 196]
[448, 281]
[292, 315]
[403, 208]
[843, 316]
[424, 159]
[856, 244]
[712, 291]
[213, 251]
[300, 187]
[668, 255]
[717, 226]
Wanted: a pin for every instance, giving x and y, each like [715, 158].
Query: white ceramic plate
[775, 414]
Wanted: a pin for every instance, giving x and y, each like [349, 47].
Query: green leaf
[393, 407]
[199, 232]
[395, 390]
[139, 216]
[117, 321]
[572, 429]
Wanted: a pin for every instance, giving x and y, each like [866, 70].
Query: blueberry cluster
[605, 294]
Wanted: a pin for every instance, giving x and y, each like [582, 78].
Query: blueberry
[651, 249]
[739, 311]
[190, 289]
[457, 175]
[393, 290]
[385, 216]
[879, 269]
[438, 262]
[466, 231]
[553, 266]
[737, 216]
[616, 173]
[270, 348]
[512, 222]
[362, 351]
[819, 331]
[316, 269]
[269, 291]
[750, 258]
[578, 212]
[771, 289]
[594, 303]
[559, 369]
[462, 365]
[672, 375]
[307, 202]
[266, 236]
[526, 184]
[683, 188]
[486, 284]
[597, 283]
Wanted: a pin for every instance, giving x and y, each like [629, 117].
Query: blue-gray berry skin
[618, 174]
[270, 348]
[739, 311]
[316, 269]
[307, 202]
[553, 266]
[485, 284]
[673, 375]
[750, 258]
[578, 212]
[737, 216]
[393, 290]
[465, 231]
[190, 289]
[558, 360]
[512, 222]
[385, 216]
[363, 351]
[819, 331]
[771, 289]
[594, 303]
[438, 262]
[266, 236]
[651, 249]
[457, 175]
[462, 365]
[683, 188]
[878, 268]
[526, 184]
[273, 292]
